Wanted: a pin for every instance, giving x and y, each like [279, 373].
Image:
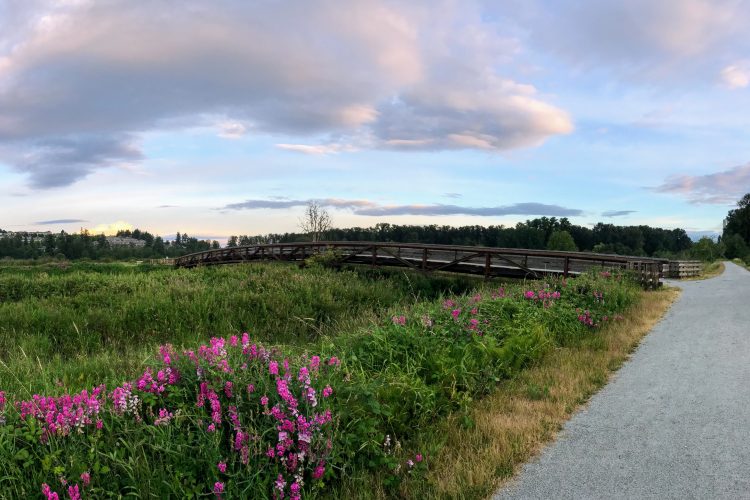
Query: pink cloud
[719, 188]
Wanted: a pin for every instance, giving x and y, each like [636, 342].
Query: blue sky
[227, 117]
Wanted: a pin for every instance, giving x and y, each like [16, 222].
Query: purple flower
[73, 493]
[48, 493]
[218, 488]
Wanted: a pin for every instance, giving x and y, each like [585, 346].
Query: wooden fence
[683, 269]
[484, 261]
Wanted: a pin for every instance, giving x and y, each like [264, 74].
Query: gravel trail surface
[674, 422]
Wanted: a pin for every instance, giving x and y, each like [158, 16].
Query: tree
[738, 220]
[158, 246]
[315, 221]
[735, 247]
[706, 250]
[562, 240]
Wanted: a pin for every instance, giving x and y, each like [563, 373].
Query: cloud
[369, 208]
[439, 210]
[111, 229]
[452, 195]
[60, 161]
[58, 221]
[281, 202]
[315, 149]
[617, 213]
[720, 188]
[232, 130]
[674, 40]
[736, 76]
[95, 76]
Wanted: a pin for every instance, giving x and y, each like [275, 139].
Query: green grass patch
[402, 353]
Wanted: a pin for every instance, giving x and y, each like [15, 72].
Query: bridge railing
[487, 261]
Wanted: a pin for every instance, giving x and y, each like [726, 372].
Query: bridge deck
[484, 261]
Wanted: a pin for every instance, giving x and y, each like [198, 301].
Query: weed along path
[674, 422]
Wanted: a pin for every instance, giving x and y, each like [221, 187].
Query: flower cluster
[287, 397]
[280, 397]
[545, 296]
[399, 320]
[586, 318]
[63, 414]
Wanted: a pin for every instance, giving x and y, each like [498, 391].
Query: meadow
[267, 380]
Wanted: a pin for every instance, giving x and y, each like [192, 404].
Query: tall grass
[405, 352]
[85, 323]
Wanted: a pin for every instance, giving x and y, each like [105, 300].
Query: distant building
[31, 235]
[125, 241]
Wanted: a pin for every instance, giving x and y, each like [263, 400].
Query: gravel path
[674, 422]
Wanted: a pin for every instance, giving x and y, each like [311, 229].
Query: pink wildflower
[295, 488]
[264, 400]
[250, 388]
[418, 458]
[273, 368]
[48, 493]
[73, 493]
[280, 484]
[327, 391]
[319, 471]
[86, 478]
[456, 313]
[315, 362]
[222, 466]
[218, 489]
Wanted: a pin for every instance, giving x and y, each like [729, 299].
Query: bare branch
[315, 221]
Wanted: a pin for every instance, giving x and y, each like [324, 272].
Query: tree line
[541, 233]
[83, 245]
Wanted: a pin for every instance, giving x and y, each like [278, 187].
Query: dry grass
[710, 270]
[523, 415]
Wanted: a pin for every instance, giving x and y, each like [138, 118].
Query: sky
[228, 117]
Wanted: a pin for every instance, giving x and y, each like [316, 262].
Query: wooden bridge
[484, 261]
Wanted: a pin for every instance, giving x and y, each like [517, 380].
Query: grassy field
[391, 380]
[76, 325]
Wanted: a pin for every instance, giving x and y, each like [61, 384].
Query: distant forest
[29, 245]
[542, 233]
